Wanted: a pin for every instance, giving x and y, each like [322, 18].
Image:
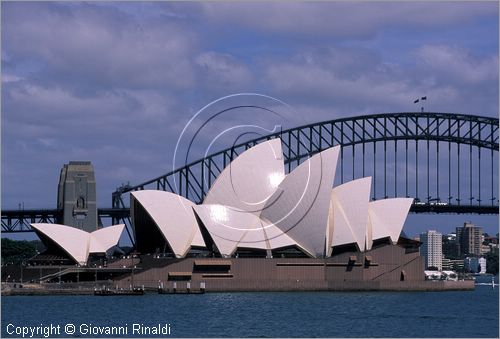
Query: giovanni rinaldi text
[49, 330]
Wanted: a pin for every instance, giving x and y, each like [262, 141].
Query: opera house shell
[254, 209]
[259, 229]
[77, 244]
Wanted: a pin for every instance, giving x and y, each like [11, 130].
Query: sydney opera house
[77, 245]
[259, 228]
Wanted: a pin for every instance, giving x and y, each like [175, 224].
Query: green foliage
[15, 251]
[492, 263]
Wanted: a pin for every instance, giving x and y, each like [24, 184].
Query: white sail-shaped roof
[348, 215]
[387, 217]
[300, 205]
[105, 238]
[79, 244]
[276, 238]
[231, 229]
[250, 179]
[72, 240]
[173, 215]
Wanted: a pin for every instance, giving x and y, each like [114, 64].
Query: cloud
[223, 70]
[458, 79]
[343, 78]
[92, 47]
[115, 130]
[6, 78]
[341, 19]
[361, 81]
[458, 65]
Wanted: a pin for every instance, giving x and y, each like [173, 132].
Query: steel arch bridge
[401, 151]
[448, 162]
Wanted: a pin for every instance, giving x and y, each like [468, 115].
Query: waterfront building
[65, 243]
[446, 264]
[457, 265]
[471, 265]
[254, 211]
[441, 275]
[258, 211]
[259, 228]
[432, 249]
[482, 265]
[469, 239]
[450, 275]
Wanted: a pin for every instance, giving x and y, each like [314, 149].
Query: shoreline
[426, 286]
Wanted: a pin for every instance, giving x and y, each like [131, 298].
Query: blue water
[305, 314]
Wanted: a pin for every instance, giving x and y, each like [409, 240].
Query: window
[80, 202]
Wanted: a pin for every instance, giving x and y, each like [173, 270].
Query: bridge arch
[447, 161]
[461, 145]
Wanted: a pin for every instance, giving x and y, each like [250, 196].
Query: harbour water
[306, 314]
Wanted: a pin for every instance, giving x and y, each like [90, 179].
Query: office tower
[432, 249]
[469, 239]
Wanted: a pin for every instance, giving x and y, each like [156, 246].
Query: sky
[116, 83]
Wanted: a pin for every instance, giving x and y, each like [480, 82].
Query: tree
[492, 263]
[16, 251]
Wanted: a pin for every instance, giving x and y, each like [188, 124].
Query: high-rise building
[469, 239]
[450, 247]
[432, 249]
[76, 195]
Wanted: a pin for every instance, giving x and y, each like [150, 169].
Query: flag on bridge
[415, 101]
[423, 98]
